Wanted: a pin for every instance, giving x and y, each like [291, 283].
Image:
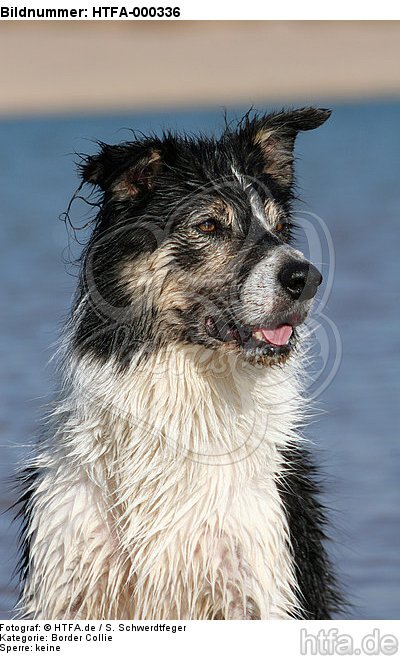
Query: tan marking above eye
[207, 227]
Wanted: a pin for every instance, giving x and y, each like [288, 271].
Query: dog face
[192, 243]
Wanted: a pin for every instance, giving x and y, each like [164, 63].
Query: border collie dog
[173, 481]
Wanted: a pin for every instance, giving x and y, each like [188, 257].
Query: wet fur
[173, 481]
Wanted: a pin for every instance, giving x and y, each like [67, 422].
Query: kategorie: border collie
[173, 482]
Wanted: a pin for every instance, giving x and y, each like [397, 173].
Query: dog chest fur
[167, 485]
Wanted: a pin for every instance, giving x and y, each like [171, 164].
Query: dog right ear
[274, 136]
[126, 169]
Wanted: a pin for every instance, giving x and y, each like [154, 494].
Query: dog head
[192, 242]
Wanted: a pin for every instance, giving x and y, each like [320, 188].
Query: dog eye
[208, 227]
[283, 228]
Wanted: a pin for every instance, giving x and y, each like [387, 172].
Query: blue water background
[349, 172]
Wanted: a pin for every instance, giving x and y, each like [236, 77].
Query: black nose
[300, 279]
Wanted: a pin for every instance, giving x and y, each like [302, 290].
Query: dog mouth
[255, 342]
[278, 336]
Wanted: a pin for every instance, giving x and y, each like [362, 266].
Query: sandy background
[94, 66]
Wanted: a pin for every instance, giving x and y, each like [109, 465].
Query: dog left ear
[275, 135]
[126, 169]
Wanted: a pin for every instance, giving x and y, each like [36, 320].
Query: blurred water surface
[349, 176]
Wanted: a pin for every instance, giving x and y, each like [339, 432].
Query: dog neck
[193, 403]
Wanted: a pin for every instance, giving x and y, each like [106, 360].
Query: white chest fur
[179, 457]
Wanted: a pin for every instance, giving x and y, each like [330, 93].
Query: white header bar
[170, 10]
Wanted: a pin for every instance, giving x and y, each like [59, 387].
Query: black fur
[27, 481]
[300, 490]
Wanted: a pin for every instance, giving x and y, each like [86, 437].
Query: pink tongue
[279, 336]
